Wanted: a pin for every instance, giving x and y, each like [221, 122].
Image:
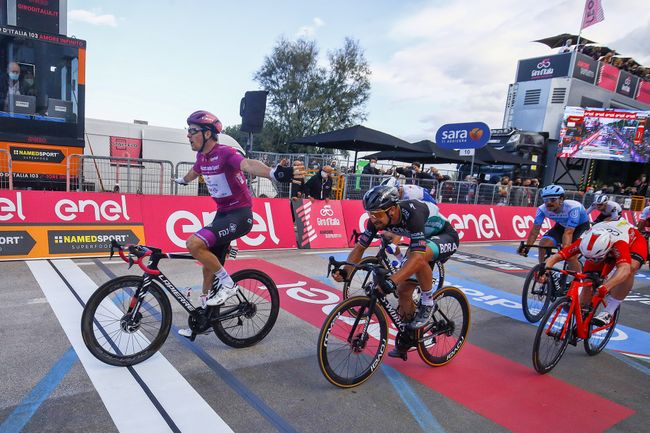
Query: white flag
[593, 13]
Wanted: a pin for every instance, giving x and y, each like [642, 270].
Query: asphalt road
[51, 383]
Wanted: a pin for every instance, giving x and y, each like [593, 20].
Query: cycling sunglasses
[194, 131]
[551, 199]
[377, 213]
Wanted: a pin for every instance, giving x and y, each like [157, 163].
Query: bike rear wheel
[442, 339]
[251, 313]
[352, 342]
[535, 296]
[114, 333]
[553, 334]
[599, 336]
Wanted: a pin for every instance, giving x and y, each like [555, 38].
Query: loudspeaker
[252, 109]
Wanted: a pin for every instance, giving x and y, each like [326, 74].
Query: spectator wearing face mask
[11, 84]
[371, 168]
[319, 186]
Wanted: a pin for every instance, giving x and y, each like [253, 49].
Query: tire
[550, 344]
[337, 356]
[597, 341]
[438, 275]
[358, 279]
[103, 330]
[440, 341]
[534, 296]
[258, 302]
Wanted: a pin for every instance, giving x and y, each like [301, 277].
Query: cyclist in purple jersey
[223, 170]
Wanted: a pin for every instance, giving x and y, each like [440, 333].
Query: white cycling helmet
[601, 199]
[391, 181]
[596, 244]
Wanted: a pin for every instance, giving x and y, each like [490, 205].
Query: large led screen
[596, 133]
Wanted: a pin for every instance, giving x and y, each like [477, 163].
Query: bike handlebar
[577, 274]
[523, 245]
[139, 251]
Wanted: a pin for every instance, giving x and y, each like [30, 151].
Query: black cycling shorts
[444, 243]
[226, 227]
[557, 231]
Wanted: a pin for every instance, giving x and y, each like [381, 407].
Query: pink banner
[125, 147]
[320, 224]
[172, 219]
[608, 76]
[49, 207]
[643, 94]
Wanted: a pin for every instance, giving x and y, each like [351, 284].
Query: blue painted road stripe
[32, 401]
[421, 413]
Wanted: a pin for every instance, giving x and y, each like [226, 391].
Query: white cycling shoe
[222, 295]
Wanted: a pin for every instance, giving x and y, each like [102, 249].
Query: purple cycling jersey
[223, 177]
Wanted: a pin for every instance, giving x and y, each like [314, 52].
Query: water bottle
[391, 248]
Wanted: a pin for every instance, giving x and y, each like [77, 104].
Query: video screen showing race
[616, 135]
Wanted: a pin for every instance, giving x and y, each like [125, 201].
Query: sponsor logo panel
[75, 241]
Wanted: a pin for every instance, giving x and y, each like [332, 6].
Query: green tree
[306, 98]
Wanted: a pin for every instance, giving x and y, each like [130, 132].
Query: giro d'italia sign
[472, 135]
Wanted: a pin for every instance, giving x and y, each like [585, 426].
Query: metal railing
[6, 172]
[113, 174]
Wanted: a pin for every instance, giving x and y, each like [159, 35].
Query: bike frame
[582, 324]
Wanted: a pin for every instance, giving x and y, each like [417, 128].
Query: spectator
[567, 46]
[504, 190]
[523, 196]
[319, 186]
[371, 168]
[641, 184]
[297, 185]
[11, 85]
[607, 58]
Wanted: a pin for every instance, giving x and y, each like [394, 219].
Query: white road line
[126, 402]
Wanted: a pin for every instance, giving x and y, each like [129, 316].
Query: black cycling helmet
[380, 197]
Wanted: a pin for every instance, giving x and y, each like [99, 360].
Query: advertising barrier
[42, 224]
[171, 220]
[37, 224]
[320, 224]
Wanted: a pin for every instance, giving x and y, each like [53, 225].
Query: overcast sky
[432, 62]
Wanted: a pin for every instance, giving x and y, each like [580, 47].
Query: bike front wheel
[248, 317]
[443, 338]
[535, 296]
[352, 342]
[553, 335]
[117, 334]
[599, 336]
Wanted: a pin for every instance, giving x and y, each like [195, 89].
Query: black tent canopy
[357, 138]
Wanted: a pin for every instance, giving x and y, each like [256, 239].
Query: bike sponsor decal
[15, 243]
[470, 373]
[87, 241]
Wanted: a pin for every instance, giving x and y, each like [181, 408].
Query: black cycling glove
[282, 174]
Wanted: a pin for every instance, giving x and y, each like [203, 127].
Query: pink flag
[593, 13]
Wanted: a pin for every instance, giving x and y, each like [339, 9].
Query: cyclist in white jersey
[609, 210]
[571, 221]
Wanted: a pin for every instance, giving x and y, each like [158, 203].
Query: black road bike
[128, 318]
[354, 336]
[358, 278]
[535, 296]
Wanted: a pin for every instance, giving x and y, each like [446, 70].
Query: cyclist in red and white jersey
[222, 168]
[608, 245]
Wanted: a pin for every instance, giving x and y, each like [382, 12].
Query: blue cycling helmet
[552, 191]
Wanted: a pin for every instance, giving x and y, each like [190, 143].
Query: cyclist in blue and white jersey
[571, 221]
[609, 210]
[405, 192]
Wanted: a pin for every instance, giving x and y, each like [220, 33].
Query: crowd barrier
[47, 224]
